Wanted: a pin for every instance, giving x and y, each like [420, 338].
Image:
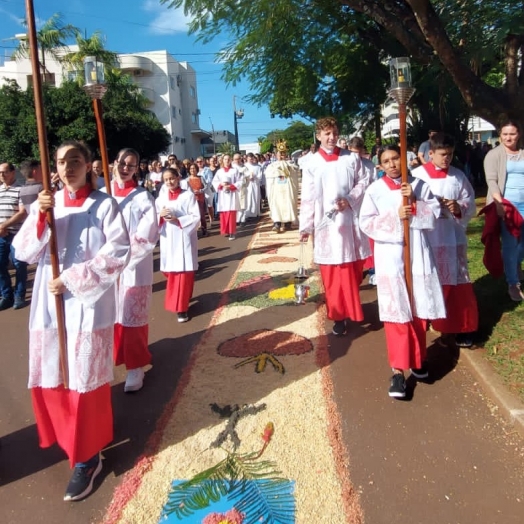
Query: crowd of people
[354, 209]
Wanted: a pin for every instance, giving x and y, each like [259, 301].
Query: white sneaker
[372, 280]
[134, 380]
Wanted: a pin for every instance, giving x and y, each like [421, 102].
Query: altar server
[333, 185]
[179, 216]
[135, 284]
[93, 248]
[449, 240]
[405, 318]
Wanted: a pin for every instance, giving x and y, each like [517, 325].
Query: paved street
[443, 457]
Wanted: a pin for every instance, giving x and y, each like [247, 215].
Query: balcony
[136, 65]
[148, 94]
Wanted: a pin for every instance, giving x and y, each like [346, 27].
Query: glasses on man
[129, 166]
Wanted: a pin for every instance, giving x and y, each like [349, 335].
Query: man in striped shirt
[12, 214]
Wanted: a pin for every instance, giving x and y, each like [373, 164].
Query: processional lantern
[94, 78]
[95, 87]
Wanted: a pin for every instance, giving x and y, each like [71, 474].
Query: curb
[511, 407]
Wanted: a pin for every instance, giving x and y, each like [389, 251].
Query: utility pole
[237, 115]
[213, 131]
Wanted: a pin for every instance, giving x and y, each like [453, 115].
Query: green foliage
[266, 146]
[90, 46]
[227, 148]
[51, 38]
[313, 58]
[298, 136]
[69, 115]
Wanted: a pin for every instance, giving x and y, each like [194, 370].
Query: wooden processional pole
[102, 144]
[46, 180]
[402, 111]
[401, 90]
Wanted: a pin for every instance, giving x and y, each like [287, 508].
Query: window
[194, 118]
[192, 91]
[172, 82]
[173, 111]
[47, 78]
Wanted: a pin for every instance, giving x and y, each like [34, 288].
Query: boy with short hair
[333, 186]
[449, 241]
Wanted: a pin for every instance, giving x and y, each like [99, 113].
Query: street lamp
[237, 115]
[401, 90]
[95, 87]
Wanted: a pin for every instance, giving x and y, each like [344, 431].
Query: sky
[132, 26]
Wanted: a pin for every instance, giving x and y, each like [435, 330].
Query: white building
[170, 87]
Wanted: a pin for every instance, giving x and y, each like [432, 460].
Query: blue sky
[145, 25]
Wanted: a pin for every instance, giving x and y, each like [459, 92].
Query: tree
[51, 39]
[90, 46]
[297, 136]
[227, 148]
[69, 115]
[319, 56]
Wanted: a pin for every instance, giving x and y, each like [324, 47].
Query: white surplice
[449, 240]
[228, 201]
[380, 221]
[337, 240]
[282, 191]
[178, 242]
[93, 248]
[253, 178]
[135, 285]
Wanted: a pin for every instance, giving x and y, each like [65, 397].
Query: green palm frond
[233, 475]
[205, 487]
[268, 497]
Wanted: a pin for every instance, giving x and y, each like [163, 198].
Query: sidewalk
[444, 456]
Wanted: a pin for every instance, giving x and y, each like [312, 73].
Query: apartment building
[169, 86]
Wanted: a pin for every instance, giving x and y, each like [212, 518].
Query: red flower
[233, 516]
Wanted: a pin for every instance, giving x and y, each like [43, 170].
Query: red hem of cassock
[406, 343]
[81, 423]
[461, 310]
[131, 346]
[341, 285]
[179, 290]
[228, 222]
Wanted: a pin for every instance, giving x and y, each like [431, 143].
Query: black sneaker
[182, 317]
[339, 328]
[421, 372]
[463, 340]
[81, 483]
[397, 388]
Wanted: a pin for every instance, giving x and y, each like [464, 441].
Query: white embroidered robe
[337, 240]
[94, 248]
[228, 201]
[135, 284]
[178, 242]
[380, 221]
[253, 178]
[448, 240]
